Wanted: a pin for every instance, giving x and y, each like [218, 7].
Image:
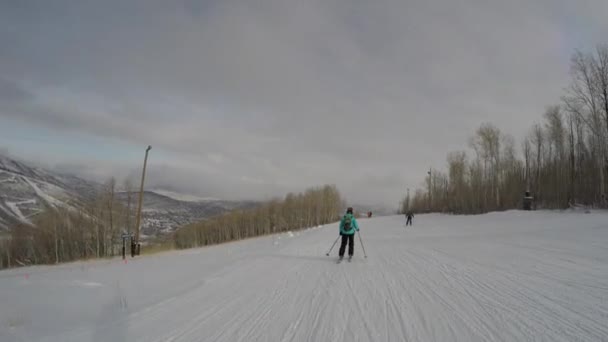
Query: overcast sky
[255, 98]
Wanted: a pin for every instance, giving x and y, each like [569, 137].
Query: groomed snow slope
[514, 276]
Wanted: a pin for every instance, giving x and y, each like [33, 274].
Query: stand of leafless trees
[91, 229]
[314, 207]
[563, 161]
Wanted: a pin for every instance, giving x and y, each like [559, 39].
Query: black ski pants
[350, 239]
[409, 221]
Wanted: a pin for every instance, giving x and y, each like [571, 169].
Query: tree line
[316, 206]
[91, 228]
[563, 160]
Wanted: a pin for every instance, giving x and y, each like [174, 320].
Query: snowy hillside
[25, 191]
[513, 276]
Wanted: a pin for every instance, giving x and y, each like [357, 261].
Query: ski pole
[332, 246]
[361, 240]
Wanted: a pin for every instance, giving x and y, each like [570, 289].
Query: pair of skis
[350, 259]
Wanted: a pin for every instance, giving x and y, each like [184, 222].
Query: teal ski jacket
[354, 226]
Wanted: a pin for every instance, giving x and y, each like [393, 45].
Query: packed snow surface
[513, 276]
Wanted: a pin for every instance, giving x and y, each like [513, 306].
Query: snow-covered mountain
[26, 190]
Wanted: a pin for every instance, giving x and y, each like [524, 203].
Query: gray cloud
[255, 98]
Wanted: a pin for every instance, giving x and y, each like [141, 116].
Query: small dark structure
[528, 200]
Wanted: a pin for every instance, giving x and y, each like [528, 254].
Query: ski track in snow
[14, 207]
[511, 276]
[48, 199]
[7, 180]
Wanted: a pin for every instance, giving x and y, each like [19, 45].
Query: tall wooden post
[141, 198]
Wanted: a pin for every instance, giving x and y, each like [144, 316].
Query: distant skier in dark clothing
[348, 227]
[409, 217]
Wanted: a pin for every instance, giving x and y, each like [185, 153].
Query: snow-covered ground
[513, 276]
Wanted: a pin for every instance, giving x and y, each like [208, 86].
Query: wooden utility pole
[141, 198]
[430, 189]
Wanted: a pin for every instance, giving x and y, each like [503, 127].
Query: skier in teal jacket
[348, 227]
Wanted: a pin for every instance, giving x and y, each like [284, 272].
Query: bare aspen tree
[457, 180]
[527, 150]
[55, 224]
[601, 76]
[555, 134]
[538, 139]
[587, 98]
[128, 188]
[600, 71]
[572, 152]
[486, 143]
[110, 191]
